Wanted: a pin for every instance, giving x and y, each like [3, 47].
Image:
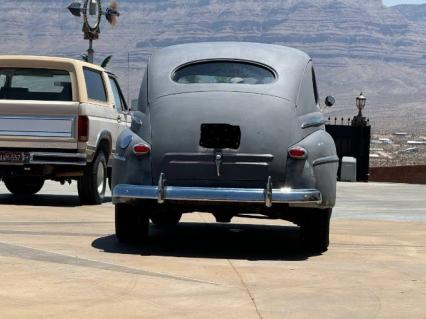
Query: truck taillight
[83, 128]
[141, 149]
[297, 152]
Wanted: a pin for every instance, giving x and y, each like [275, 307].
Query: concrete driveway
[61, 260]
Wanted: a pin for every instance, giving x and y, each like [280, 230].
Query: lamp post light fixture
[361, 102]
[92, 12]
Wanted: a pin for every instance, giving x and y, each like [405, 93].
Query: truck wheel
[92, 185]
[131, 224]
[23, 186]
[166, 219]
[315, 229]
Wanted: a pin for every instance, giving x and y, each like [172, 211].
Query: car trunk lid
[220, 139]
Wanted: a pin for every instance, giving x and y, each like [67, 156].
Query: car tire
[166, 219]
[131, 224]
[92, 185]
[23, 186]
[315, 230]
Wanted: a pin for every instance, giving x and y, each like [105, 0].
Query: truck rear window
[35, 84]
[231, 72]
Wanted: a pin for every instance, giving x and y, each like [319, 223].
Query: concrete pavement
[60, 260]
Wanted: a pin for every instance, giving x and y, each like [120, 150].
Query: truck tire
[166, 219]
[92, 185]
[315, 230]
[23, 186]
[131, 224]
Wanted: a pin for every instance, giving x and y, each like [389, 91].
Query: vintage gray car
[227, 128]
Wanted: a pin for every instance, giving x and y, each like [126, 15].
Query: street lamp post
[361, 137]
[360, 120]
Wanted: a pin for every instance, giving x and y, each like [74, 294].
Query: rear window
[231, 72]
[35, 84]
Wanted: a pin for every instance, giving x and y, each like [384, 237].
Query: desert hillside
[356, 45]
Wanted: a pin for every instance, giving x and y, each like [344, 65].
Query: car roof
[44, 62]
[288, 63]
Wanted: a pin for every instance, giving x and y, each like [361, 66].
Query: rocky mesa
[356, 45]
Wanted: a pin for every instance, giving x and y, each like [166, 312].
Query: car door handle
[119, 119]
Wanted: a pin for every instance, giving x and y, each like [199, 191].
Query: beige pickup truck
[59, 120]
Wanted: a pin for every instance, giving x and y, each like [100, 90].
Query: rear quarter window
[95, 85]
[308, 96]
[228, 72]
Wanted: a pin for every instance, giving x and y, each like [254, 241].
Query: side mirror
[137, 120]
[329, 101]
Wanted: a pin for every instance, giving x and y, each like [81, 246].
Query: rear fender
[129, 168]
[104, 140]
[104, 135]
[318, 170]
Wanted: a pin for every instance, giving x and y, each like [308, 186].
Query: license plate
[12, 157]
[220, 136]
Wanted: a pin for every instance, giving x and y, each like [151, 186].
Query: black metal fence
[353, 141]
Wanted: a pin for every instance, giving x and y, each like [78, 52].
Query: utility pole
[128, 78]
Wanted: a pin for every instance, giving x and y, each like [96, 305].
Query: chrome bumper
[46, 158]
[51, 158]
[126, 193]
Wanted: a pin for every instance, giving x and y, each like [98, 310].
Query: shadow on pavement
[43, 200]
[230, 241]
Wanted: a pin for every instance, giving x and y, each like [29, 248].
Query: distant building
[400, 134]
[416, 142]
[385, 155]
[385, 140]
[409, 150]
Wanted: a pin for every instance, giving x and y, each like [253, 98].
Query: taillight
[141, 149]
[297, 152]
[83, 129]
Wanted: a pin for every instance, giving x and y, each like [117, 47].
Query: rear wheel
[131, 224]
[166, 219]
[315, 229]
[92, 185]
[23, 186]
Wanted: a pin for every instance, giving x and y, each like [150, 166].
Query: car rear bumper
[125, 193]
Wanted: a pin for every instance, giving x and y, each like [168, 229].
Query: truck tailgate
[38, 124]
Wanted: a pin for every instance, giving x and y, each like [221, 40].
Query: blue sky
[393, 2]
